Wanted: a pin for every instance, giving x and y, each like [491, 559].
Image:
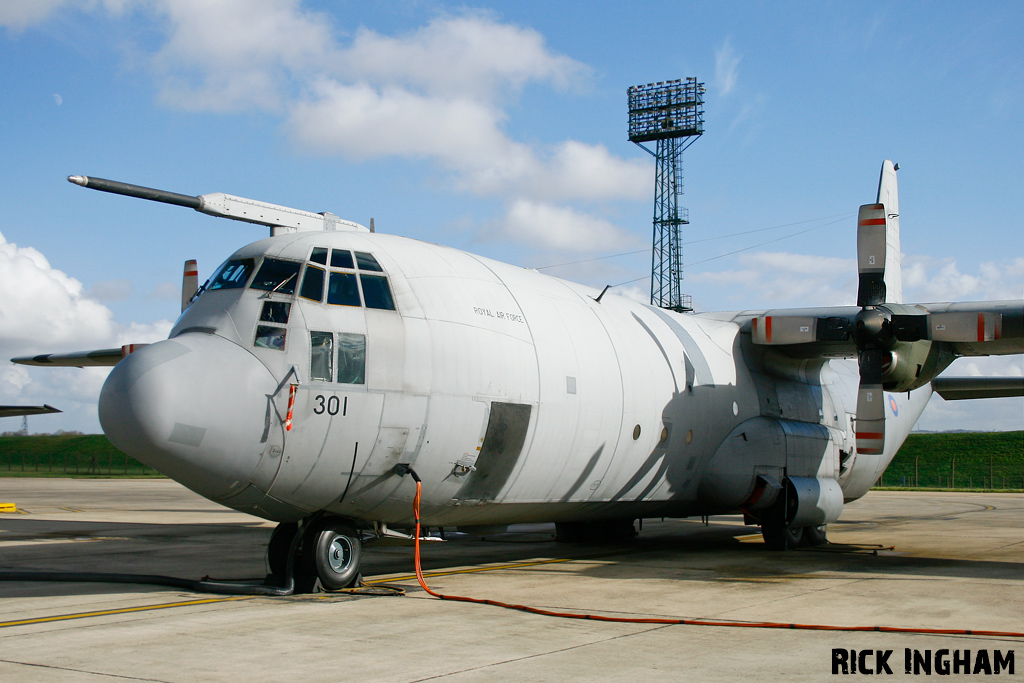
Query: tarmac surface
[902, 559]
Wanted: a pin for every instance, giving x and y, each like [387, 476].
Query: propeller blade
[957, 326]
[189, 283]
[798, 329]
[787, 329]
[965, 326]
[871, 255]
[871, 404]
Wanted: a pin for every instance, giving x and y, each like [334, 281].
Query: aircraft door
[502, 445]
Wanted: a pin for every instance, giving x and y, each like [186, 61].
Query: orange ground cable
[684, 622]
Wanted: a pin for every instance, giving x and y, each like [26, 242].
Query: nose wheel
[333, 550]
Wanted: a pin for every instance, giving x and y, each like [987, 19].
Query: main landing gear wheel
[776, 533]
[816, 535]
[778, 536]
[335, 551]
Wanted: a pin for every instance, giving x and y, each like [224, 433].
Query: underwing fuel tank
[159, 406]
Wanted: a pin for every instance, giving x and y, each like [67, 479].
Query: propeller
[189, 283]
[893, 341]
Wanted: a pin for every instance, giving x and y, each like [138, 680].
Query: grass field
[978, 460]
[961, 460]
[62, 455]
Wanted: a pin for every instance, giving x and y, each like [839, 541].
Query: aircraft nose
[193, 407]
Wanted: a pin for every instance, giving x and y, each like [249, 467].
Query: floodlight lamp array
[667, 109]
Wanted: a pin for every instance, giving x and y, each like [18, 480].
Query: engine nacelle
[910, 365]
[812, 501]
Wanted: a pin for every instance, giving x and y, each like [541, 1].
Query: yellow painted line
[123, 610]
[8, 507]
[491, 568]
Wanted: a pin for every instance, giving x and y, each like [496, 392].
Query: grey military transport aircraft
[318, 367]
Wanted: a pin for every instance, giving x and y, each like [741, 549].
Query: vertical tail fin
[889, 197]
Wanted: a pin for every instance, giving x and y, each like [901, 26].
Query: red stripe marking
[870, 451]
[981, 327]
[768, 329]
[192, 272]
[870, 435]
[872, 221]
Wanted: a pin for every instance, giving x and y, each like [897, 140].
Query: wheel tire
[816, 535]
[336, 553]
[279, 545]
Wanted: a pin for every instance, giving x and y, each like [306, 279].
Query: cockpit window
[313, 284]
[342, 290]
[275, 275]
[351, 358]
[234, 274]
[270, 337]
[341, 258]
[319, 255]
[376, 292]
[367, 262]
[275, 312]
[321, 356]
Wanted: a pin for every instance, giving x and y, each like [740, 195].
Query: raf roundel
[895, 408]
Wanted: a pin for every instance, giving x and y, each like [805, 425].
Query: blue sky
[500, 128]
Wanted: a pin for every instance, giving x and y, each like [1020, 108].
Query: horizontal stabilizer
[959, 388]
[81, 359]
[15, 411]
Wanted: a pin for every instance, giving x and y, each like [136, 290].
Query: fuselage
[314, 363]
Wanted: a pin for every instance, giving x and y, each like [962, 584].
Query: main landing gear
[778, 535]
[328, 551]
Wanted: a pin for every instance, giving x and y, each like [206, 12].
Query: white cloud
[360, 122]
[726, 67]
[467, 56]
[781, 280]
[560, 228]
[235, 54]
[42, 310]
[49, 309]
[928, 279]
[20, 14]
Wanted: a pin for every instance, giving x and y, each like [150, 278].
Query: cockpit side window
[270, 337]
[367, 262]
[234, 274]
[276, 275]
[321, 356]
[275, 312]
[313, 284]
[342, 290]
[351, 358]
[376, 292]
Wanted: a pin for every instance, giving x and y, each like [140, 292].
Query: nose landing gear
[328, 554]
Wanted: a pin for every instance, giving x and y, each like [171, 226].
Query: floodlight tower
[671, 113]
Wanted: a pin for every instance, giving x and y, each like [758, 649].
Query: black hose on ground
[251, 587]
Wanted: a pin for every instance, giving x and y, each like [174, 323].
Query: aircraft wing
[15, 411]
[81, 359]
